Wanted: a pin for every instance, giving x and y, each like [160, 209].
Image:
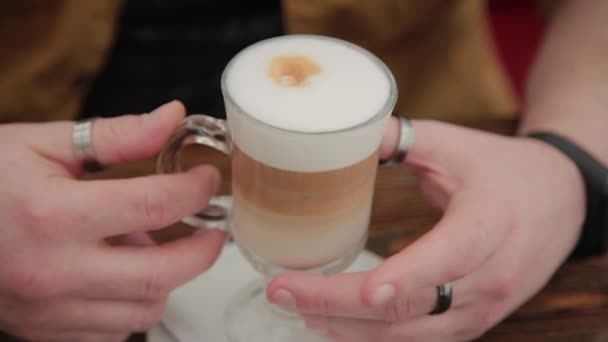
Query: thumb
[461, 242]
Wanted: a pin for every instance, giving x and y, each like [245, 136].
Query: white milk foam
[351, 88]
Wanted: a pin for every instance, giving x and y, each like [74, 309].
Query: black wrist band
[594, 235]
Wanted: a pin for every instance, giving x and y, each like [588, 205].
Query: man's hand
[59, 280]
[513, 208]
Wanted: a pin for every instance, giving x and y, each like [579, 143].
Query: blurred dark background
[166, 50]
[177, 49]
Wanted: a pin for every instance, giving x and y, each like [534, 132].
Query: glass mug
[311, 214]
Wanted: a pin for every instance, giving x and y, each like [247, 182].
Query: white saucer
[195, 311]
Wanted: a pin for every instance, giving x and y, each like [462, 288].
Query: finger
[138, 239]
[340, 296]
[429, 328]
[114, 140]
[346, 329]
[148, 273]
[77, 337]
[460, 243]
[436, 144]
[97, 316]
[434, 181]
[114, 207]
[132, 137]
[390, 140]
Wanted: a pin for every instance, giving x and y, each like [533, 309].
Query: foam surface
[345, 88]
[349, 88]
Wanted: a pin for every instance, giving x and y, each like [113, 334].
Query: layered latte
[306, 115]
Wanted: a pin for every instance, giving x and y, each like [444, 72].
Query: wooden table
[572, 307]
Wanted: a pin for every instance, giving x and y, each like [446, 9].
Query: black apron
[177, 49]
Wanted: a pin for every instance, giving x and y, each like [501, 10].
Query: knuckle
[150, 317]
[318, 304]
[119, 130]
[501, 215]
[154, 287]
[29, 286]
[489, 318]
[462, 266]
[486, 230]
[501, 286]
[397, 310]
[114, 128]
[154, 208]
[36, 214]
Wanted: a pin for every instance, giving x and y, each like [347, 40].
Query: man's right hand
[59, 280]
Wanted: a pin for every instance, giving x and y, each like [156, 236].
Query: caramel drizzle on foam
[292, 70]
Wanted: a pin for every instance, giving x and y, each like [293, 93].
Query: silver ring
[406, 141]
[444, 299]
[82, 138]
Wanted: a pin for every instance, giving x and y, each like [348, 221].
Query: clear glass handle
[202, 130]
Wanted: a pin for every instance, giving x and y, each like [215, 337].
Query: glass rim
[384, 110]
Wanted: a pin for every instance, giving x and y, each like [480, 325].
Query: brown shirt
[440, 52]
[51, 50]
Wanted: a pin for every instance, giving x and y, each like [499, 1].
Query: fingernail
[383, 294]
[215, 179]
[156, 112]
[284, 299]
[213, 176]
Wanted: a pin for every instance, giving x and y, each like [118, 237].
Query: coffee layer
[301, 193]
[300, 242]
[300, 219]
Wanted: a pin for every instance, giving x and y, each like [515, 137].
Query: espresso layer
[300, 220]
[299, 242]
[302, 193]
